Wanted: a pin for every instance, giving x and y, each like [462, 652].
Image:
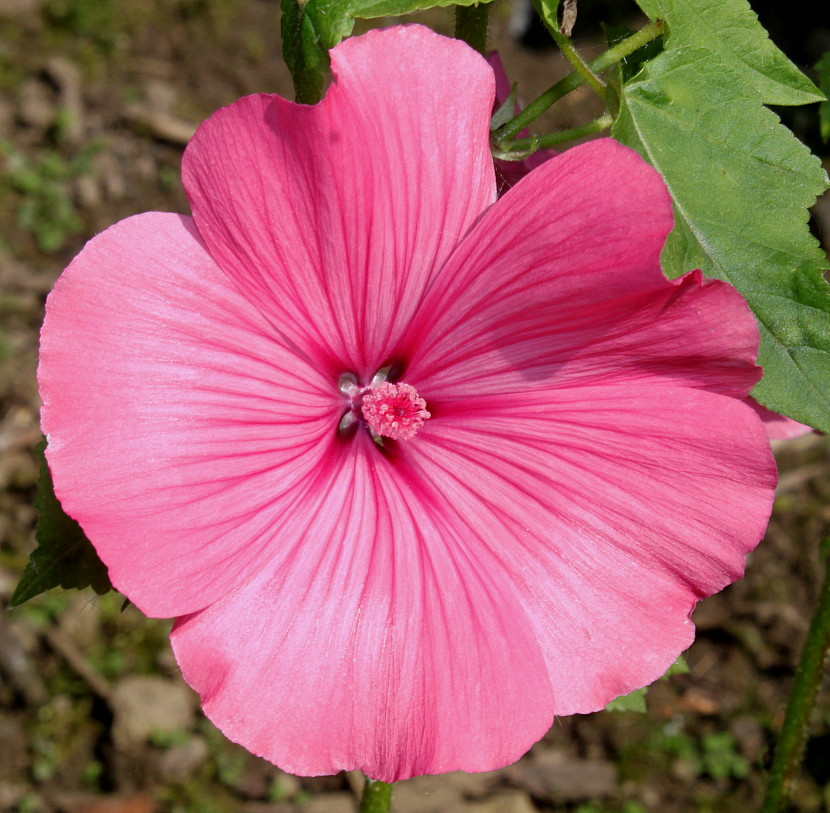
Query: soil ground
[97, 98]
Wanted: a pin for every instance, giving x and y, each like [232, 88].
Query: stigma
[393, 411]
[388, 410]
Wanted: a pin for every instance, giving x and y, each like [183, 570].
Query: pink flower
[574, 466]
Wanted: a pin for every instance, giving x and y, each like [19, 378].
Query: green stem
[377, 797]
[578, 63]
[552, 139]
[791, 740]
[471, 25]
[627, 47]
[571, 82]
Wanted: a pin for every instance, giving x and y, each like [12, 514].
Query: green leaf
[823, 69]
[506, 111]
[304, 53]
[636, 700]
[679, 667]
[730, 29]
[311, 29]
[548, 10]
[741, 185]
[64, 556]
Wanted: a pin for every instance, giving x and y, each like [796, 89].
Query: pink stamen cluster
[394, 410]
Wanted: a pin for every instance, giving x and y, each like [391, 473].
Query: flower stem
[471, 25]
[571, 82]
[553, 139]
[377, 797]
[791, 740]
[582, 68]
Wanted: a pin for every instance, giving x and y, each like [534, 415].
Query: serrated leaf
[64, 556]
[823, 69]
[309, 30]
[548, 10]
[741, 184]
[679, 667]
[306, 58]
[730, 30]
[636, 700]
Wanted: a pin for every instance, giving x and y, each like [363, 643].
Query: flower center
[389, 410]
[394, 410]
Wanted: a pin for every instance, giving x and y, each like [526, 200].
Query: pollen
[394, 410]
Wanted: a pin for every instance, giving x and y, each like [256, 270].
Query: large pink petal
[611, 510]
[179, 429]
[560, 284]
[587, 419]
[335, 218]
[385, 638]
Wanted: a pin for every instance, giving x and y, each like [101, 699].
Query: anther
[393, 411]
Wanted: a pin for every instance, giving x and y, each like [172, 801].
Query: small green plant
[59, 733]
[628, 806]
[29, 804]
[44, 206]
[47, 609]
[721, 759]
[715, 755]
[130, 643]
[169, 739]
[277, 792]
[11, 73]
[228, 760]
[92, 773]
[195, 795]
[90, 20]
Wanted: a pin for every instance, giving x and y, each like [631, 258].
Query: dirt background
[97, 99]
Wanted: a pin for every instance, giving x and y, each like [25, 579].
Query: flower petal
[178, 427]
[335, 218]
[578, 295]
[586, 418]
[779, 427]
[380, 640]
[612, 510]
